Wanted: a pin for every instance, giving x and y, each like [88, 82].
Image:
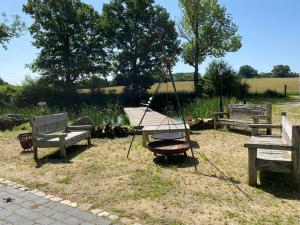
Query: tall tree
[208, 30]
[142, 37]
[9, 30]
[69, 35]
[247, 71]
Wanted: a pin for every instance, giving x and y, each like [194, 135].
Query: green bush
[9, 94]
[232, 83]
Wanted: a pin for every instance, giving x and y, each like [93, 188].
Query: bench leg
[269, 131]
[215, 123]
[35, 154]
[63, 152]
[252, 170]
[145, 137]
[89, 141]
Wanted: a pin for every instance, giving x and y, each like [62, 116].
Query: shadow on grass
[177, 161]
[54, 158]
[279, 185]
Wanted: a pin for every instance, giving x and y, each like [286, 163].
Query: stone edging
[84, 207]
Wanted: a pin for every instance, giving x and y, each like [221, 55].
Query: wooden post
[254, 130]
[252, 171]
[215, 122]
[35, 154]
[63, 151]
[89, 142]
[285, 90]
[269, 119]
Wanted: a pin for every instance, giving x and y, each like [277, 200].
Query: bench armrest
[54, 135]
[81, 127]
[262, 125]
[253, 145]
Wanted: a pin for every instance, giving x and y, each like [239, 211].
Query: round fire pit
[168, 147]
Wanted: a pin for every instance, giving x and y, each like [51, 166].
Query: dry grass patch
[157, 191]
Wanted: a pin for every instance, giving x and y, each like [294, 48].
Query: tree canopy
[9, 30]
[142, 36]
[208, 30]
[282, 71]
[70, 38]
[247, 71]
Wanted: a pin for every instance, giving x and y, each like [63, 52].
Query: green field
[257, 85]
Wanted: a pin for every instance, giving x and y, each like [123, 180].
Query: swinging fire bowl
[168, 147]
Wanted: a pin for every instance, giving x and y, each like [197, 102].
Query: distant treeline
[246, 71]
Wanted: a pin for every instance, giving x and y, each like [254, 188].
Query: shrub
[9, 94]
[232, 83]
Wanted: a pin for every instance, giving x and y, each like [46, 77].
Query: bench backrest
[48, 124]
[289, 132]
[249, 110]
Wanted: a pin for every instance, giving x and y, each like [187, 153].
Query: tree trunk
[197, 53]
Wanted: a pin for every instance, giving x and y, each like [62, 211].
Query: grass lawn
[153, 191]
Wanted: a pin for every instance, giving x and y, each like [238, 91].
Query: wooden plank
[163, 128]
[286, 131]
[152, 118]
[275, 155]
[296, 156]
[252, 170]
[266, 142]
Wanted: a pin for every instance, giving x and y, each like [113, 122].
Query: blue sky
[269, 28]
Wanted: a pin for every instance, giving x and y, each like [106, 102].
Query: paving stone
[4, 213]
[96, 211]
[32, 215]
[59, 216]
[102, 221]
[12, 207]
[56, 199]
[66, 202]
[85, 206]
[113, 217]
[104, 214]
[23, 211]
[49, 196]
[73, 204]
[125, 220]
[40, 193]
[48, 211]
[73, 221]
[63, 208]
[44, 220]
[87, 216]
[14, 219]
[41, 200]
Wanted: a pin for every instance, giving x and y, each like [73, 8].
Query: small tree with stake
[208, 30]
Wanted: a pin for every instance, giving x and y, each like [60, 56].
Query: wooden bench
[279, 153]
[52, 131]
[241, 115]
